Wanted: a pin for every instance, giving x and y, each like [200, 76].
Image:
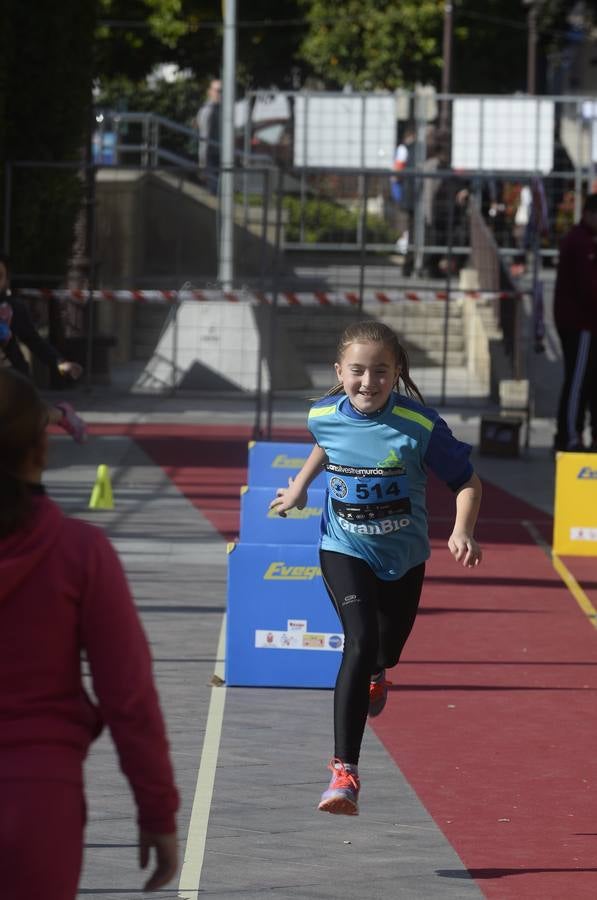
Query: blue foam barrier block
[281, 629]
[272, 463]
[260, 525]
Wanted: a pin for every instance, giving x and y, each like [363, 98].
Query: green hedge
[324, 221]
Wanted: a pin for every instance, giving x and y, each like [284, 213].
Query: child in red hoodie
[63, 592]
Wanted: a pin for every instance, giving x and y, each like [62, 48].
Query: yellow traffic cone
[101, 495]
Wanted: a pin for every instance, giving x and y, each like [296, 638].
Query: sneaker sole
[339, 806]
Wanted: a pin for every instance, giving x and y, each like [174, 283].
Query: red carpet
[493, 717]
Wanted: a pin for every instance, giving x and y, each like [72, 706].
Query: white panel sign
[503, 134]
[271, 106]
[345, 131]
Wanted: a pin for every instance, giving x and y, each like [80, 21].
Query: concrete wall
[159, 230]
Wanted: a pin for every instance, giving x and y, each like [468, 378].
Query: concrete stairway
[420, 326]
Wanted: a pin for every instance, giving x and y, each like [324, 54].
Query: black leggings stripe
[377, 617]
[579, 389]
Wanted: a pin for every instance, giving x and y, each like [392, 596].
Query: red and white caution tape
[285, 298]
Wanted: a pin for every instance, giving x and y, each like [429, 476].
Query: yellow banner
[575, 513]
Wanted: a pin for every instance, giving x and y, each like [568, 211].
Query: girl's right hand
[166, 857]
[288, 498]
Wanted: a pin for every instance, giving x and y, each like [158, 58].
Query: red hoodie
[63, 591]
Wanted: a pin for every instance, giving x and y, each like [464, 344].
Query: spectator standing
[402, 191]
[208, 125]
[575, 314]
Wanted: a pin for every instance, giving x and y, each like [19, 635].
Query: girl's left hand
[464, 547]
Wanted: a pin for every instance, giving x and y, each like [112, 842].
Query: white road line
[190, 874]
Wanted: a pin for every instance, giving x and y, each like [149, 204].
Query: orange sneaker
[342, 795]
[378, 694]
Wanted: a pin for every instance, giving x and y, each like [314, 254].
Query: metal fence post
[260, 354]
[91, 252]
[363, 242]
[450, 243]
[274, 305]
[7, 204]
[450, 257]
[418, 237]
[578, 167]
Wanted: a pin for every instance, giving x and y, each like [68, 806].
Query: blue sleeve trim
[457, 483]
[447, 457]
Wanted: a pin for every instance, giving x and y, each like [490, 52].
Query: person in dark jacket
[16, 328]
[575, 314]
[208, 124]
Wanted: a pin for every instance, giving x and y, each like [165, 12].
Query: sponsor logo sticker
[279, 571]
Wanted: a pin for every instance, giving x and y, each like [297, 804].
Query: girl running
[376, 445]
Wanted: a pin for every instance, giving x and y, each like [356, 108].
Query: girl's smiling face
[368, 372]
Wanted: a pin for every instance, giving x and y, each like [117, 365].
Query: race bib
[360, 494]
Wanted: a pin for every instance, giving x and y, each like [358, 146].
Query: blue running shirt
[376, 478]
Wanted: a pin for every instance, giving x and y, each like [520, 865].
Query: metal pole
[264, 225]
[174, 317]
[226, 254]
[91, 251]
[246, 156]
[532, 48]
[274, 306]
[578, 166]
[363, 242]
[447, 64]
[7, 204]
[305, 163]
[418, 239]
[361, 178]
[450, 242]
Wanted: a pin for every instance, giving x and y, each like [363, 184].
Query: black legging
[579, 390]
[377, 617]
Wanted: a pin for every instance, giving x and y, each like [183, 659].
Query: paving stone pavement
[264, 836]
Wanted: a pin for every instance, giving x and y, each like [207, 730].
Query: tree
[490, 47]
[373, 43]
[45, 100]
[135, 35]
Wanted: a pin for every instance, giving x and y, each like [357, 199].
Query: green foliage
[189, 33]
[133, 35]
[373, 43]
[45, 100]
[323, 221]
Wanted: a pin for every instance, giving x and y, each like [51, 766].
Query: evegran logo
[587, 473]
[279, 571]
[281, 461]
[307, 513]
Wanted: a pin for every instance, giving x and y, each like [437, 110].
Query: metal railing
[150, 137]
